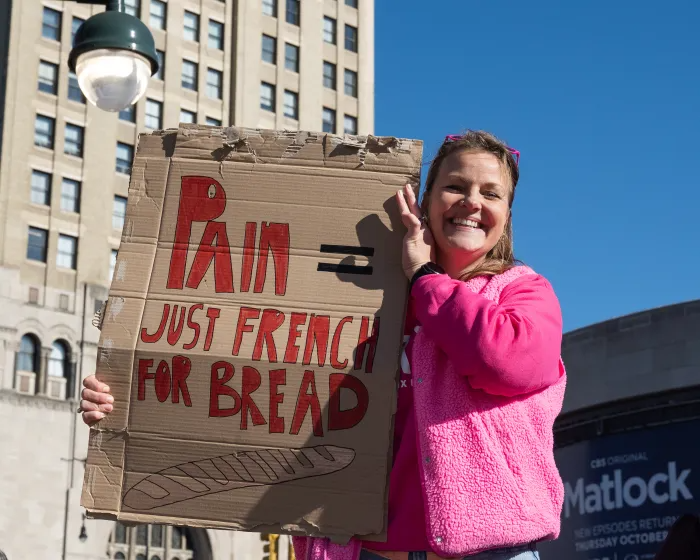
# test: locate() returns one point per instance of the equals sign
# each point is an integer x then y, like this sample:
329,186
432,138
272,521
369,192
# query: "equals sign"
346,268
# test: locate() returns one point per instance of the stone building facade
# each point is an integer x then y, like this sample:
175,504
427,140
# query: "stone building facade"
64,174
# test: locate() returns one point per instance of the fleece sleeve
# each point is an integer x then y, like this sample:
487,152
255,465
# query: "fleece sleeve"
508,348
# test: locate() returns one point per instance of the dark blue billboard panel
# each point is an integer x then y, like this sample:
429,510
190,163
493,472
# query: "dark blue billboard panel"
623,492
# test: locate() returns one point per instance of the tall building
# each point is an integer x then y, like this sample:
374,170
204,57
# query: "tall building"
64,174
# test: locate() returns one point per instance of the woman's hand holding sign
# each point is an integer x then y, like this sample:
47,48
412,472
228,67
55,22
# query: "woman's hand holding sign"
96,401
418,247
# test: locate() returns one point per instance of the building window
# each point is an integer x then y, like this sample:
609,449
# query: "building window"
154,114
211,121
75,25
187,116
351,3
44,128
191,30
351,38
329,30
51,24
269,7
59,363
132,7
291,57
189,75
74,91
293,12
118,212
329,75
350,124
73,140
59,370
70,195
216,35
36,244
161,65
128,114
112,263
28,355
351,83
267,97
159,12
215,80
150,542
269,49
48,77
291,105
125,156
40,188
67,251
328,120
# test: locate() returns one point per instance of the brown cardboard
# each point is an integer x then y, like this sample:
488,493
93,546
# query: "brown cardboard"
226,372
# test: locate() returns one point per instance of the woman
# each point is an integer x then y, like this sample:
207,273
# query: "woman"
473,473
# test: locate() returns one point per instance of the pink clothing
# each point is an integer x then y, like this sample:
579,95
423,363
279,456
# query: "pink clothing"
488,383
406,529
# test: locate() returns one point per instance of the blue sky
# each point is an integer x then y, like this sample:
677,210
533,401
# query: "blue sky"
603,100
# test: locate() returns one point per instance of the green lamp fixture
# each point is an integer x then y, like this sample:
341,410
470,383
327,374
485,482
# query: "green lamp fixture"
113,56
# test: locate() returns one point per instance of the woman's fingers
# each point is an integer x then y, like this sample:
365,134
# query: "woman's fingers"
93,384
412,202
410,220
97,397
91,417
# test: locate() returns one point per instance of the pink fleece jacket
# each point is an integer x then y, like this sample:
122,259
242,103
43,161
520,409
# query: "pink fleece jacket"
488,384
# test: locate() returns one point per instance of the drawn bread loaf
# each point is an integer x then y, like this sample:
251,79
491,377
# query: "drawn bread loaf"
258,467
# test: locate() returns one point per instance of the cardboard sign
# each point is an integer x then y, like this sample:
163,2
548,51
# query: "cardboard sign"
253,333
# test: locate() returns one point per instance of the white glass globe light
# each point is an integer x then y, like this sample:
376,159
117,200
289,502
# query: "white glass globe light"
112,79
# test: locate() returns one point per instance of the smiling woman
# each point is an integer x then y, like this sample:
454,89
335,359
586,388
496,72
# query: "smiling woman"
473,177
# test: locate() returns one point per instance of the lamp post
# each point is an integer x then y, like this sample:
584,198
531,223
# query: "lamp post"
113,56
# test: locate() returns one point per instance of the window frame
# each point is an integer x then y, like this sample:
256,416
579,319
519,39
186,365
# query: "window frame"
193,113
353,85
273,97
50,85
185,63
158,117
333,122
272,4
71,255
39,232
297,51
118,159
294,97
44,191
219,39
268,40
293,12
76,199
217,85
330,81
57,28
353,119
196,30
39,117
80,142
352,45
119,205
331,33
162,18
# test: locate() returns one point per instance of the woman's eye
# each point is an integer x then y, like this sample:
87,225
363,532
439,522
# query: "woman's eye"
492,195
453,188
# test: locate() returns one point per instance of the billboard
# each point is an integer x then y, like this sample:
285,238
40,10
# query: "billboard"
623,492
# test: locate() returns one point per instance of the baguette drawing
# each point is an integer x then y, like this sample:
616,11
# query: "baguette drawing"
257,467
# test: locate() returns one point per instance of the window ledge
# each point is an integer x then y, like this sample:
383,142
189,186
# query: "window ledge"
36,401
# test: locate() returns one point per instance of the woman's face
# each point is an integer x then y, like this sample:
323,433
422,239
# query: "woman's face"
468,207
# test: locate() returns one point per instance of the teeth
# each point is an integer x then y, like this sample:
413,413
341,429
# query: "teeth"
463,222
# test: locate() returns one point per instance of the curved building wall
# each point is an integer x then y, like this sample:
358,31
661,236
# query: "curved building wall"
625,443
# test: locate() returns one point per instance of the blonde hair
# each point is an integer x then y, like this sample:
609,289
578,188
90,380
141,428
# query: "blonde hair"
501,257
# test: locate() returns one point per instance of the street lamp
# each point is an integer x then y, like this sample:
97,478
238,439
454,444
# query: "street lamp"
113,55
